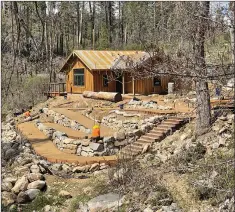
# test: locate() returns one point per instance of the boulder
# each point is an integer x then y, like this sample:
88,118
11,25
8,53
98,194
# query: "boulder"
121,143
76,142
56,167
58,134
20,185
6,186
119,136
65,194
35,176
108,139
80,169
26,161
148,210
87,149
69,151
10,153
96,146
94,167
221,142
84,153
32,193
11,180
66,168
8,198
22,197
35,169
38,184
137,133
106,202
85,142
47,208
71,146
21,170
68,141
79,150
215,145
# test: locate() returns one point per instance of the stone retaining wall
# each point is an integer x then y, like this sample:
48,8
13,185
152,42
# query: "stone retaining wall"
83,147
131,123
107,145
65,121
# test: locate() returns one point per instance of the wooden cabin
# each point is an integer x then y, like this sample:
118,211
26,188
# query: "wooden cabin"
89,70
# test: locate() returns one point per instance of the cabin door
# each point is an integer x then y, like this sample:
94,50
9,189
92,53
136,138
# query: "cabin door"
119,84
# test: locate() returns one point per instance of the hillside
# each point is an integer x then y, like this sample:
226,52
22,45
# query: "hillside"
180,173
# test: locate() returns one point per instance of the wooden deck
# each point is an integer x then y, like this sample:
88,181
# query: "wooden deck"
56,89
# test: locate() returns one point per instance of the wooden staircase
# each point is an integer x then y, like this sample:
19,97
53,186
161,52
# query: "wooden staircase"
158,133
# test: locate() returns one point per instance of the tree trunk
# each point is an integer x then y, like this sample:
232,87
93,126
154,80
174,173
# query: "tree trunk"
78,22
232,30
203,113
80,25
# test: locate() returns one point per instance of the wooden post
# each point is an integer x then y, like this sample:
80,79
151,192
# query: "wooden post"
133,86
123,83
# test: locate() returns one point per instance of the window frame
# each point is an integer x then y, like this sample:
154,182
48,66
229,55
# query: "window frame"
78,74
157,79
104,79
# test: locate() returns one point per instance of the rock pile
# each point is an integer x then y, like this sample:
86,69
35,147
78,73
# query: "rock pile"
22,176
146,105
131,121
65,121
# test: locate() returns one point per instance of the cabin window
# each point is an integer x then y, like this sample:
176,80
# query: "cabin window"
105,80
156,81
78,76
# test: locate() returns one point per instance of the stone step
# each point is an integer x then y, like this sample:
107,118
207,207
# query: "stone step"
146,137
159,130
154,138
171,122
167,126
163,128
142,141
156,132
125,156
131,150
155,135
129,153
175,119
133,147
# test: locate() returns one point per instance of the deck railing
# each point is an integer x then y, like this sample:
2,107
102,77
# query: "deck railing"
56,89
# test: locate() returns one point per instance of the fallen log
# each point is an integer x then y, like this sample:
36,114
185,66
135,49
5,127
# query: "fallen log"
113,97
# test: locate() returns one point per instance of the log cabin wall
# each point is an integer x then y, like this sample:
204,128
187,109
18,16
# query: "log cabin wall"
99,83
146,86
88,78
164,85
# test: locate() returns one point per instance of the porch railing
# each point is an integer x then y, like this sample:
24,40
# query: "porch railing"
56,89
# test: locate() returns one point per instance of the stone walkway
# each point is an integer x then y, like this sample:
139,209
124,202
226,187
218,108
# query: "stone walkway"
45,148
81,119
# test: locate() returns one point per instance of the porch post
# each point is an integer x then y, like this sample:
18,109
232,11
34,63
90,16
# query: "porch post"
133,86
123,83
